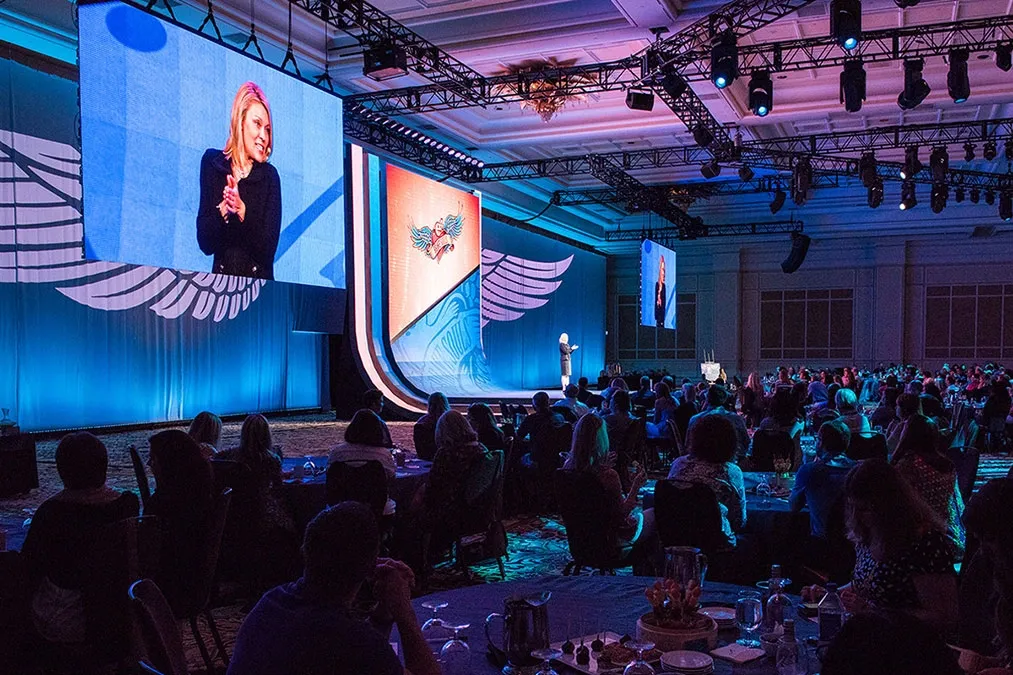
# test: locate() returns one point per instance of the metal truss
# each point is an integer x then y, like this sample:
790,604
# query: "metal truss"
672,234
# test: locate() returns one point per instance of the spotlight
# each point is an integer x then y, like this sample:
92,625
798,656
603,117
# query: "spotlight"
1006,206
940,193
876,194
958,194
969,152
673,84
385,61
907,196
724,60
957,83
904,4
912,165
778,201
867,169
1004,57
988,150
639,100
801,181
975,195
989,197
939,164
711,169
761,94
745,174
853,85
702,136
915,86
846,22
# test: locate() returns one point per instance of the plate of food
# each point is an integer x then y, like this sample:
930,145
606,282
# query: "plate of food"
601,653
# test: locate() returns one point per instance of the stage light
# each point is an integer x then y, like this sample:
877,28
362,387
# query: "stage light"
846,22
969,152
853,85
915,86
673,84
876,194
724,60
384,61
989,197
801,181
975,195
940,193
939,164
904,4
745,174
480,164
778,201
958,194
1004,57
912,165
1008,150
988,151
761,94
710,169
702,136
867,169
639,100
1006,206
908,200
957,83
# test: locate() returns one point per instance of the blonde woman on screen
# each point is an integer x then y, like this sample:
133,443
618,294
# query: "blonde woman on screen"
564,358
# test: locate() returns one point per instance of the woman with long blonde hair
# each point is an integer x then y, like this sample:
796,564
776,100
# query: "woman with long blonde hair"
239,216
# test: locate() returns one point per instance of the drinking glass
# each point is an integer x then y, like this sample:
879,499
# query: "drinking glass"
309,468
763,489
435,630
27,523
547,655
748,615
455,657
639,667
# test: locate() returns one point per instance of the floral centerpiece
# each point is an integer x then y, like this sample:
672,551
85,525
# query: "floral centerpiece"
674,622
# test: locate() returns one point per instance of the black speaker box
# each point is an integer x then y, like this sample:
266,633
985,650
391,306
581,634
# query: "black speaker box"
799,247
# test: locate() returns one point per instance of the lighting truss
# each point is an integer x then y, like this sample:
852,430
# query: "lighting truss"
672,234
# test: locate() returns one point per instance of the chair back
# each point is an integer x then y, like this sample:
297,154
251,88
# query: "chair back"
688,514
867,445
588,514
160,647
195,594
483,493
769,445
965,460
552,441
246,512
566,412
363,482
143,489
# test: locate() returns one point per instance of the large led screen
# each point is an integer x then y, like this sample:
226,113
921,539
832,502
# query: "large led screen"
657,285
197,157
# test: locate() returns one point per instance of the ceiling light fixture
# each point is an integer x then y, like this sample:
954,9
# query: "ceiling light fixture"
639,99
801,181
969,152
673,84
912,165
724,59
915,86
989,197
1008,150
384,61
904,4
908,200
988,151
958,194
745,174
761,94
876,193
939,164
957,83
940,193
975,195
867,169
710,169
1004,56
846,22
853,85
702,135
1006,206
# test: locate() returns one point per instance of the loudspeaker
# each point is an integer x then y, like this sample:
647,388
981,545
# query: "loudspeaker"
639,100
384,61
799,247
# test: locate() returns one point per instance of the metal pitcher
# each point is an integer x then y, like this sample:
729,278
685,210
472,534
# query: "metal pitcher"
683,563
525,628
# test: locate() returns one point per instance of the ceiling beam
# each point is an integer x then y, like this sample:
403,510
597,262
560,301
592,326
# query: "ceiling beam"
673,234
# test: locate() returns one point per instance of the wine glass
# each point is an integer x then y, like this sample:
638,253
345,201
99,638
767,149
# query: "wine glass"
547,655
309,468
748,615
455,657
435,630
639,667
30,513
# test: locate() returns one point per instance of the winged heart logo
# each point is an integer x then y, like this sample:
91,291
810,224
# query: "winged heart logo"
438,240
41,242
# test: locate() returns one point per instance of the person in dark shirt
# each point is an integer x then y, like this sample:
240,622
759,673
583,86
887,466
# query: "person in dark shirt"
311,626
541,420
484,423
424,432
820,484
687,408
583,393
643,397
239,216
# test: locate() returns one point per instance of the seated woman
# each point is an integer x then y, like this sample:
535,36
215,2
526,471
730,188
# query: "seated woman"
457,449
484,423
752,398
256,452
908,405
932,475
711,446
847,405
63,529
183,502
206,429
664,404
590,453
904,560
424,432
365,441
782,415
886,412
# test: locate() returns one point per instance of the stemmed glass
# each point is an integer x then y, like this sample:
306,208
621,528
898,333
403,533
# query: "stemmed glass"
435,630
547,655
748,615
309,468
639,667
455,657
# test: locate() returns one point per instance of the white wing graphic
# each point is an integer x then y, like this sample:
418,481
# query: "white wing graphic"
42,242
511,285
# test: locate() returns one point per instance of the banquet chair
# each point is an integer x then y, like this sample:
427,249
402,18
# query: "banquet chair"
159,647
480,533
866,445
143,489
997,439
239,555
587,513
688,514
769,445
363,482
965,460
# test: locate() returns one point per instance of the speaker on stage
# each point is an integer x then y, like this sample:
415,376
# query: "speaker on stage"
799,247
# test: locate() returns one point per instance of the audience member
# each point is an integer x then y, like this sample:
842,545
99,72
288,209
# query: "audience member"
372,400
365,441
644,397
664,404
457,448
711,448
257,452
820,484
484,423
206,429
687,408
908,405
312,626
752,397
716,396
885,413
619,420
571,403
541,420
847,405
424,432
584,394
888,643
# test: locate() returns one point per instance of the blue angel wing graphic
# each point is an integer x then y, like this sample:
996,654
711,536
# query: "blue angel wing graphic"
422,237
46,245
454,225
511,286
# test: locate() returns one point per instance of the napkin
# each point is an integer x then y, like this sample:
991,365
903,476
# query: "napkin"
736,653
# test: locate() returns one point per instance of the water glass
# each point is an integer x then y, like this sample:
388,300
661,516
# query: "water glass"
547,655
455,657
639,667
435,630
749,616
309,468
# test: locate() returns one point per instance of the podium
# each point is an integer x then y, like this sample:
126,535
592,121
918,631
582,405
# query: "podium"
19,472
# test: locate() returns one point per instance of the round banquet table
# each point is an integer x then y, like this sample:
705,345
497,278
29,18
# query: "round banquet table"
306,497
617,602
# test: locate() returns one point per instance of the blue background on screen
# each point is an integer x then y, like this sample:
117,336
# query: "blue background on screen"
651,254
154,97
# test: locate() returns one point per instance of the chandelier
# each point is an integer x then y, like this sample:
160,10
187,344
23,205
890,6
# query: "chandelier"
543,89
